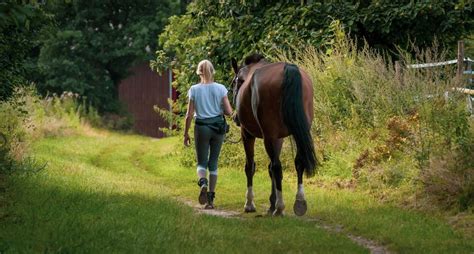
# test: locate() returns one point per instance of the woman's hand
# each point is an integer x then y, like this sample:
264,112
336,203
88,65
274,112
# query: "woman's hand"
187,140
227,106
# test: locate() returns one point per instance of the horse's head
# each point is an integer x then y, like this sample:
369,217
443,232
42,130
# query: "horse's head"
240,74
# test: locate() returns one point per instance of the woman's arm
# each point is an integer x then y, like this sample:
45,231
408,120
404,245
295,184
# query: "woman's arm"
227,106
189,118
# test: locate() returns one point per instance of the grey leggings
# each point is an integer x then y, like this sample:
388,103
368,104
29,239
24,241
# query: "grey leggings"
208,146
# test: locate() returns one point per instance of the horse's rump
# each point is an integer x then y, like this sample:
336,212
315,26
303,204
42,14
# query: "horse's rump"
266,98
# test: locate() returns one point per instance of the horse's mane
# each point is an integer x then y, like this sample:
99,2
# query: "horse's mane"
254,58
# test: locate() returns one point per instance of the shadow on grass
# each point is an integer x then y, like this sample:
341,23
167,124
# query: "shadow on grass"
46,216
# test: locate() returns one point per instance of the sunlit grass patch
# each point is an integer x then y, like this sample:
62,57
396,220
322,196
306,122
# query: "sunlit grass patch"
80,206
129,199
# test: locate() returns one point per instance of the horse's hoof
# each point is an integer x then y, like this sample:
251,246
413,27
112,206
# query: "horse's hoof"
278,213
300,207
250,209
270,211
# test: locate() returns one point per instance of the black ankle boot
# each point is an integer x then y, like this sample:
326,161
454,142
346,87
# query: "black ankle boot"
203,191
210,200
202,181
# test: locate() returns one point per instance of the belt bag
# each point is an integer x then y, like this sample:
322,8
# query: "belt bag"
217,124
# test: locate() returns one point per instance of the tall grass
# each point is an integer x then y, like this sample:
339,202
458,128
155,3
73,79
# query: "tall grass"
391,134
27,117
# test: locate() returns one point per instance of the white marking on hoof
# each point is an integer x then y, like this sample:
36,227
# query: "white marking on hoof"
250,208
279,204
300,206
270,211
278,212
249,204
300,192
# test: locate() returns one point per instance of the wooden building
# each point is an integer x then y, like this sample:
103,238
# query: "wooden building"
142,90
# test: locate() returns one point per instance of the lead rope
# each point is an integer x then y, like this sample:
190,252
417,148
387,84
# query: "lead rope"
231,141
235,113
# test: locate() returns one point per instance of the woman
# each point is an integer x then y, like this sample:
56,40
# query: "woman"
208,103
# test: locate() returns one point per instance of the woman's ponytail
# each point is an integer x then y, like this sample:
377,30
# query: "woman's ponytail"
206,70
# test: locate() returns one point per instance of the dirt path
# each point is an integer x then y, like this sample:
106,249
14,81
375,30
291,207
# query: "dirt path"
372,246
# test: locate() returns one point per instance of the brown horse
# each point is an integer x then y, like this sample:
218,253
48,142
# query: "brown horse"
273,101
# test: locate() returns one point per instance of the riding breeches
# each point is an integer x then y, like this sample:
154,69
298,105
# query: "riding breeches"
208,145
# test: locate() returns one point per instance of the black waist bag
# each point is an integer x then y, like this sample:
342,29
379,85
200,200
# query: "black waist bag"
217,124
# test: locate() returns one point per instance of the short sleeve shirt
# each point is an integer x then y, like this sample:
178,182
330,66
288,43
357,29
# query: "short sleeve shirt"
207,99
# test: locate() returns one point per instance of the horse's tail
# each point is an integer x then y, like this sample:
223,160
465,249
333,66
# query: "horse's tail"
295,119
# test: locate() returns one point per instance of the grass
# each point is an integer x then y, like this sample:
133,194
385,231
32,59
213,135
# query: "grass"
117,193
114,194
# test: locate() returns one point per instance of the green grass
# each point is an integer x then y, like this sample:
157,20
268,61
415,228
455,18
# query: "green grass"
117,193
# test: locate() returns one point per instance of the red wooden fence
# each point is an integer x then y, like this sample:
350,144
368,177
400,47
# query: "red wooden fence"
142,90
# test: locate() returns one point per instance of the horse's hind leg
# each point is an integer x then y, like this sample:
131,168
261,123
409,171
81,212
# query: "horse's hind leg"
249,144
300,205
273,148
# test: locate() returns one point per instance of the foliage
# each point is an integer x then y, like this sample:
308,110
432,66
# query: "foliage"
17,123
469,46
171,117
21,26
385,24
220,30
94,43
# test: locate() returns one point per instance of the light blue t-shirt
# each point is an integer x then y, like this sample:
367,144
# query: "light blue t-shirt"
207,99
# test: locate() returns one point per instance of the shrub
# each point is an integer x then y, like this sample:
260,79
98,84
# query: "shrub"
388,131
16,124
26,117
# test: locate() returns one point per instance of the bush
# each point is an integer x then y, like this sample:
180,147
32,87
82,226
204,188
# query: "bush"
17,125
27,117
388,132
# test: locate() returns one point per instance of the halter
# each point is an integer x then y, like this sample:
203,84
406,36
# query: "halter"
235,95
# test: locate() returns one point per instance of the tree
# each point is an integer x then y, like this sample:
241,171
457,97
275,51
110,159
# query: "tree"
220,30
20,29
96,42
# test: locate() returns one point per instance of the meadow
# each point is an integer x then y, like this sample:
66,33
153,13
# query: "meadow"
109,192
396,168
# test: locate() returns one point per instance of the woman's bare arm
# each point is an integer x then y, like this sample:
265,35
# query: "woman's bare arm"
188,119
227,106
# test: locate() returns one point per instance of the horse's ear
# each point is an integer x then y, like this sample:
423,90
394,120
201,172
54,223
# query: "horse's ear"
234,65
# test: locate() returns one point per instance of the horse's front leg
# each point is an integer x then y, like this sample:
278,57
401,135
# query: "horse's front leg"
272,198
300,205
273,149
249,144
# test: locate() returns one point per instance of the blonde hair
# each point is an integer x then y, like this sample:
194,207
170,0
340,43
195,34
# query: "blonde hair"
206,70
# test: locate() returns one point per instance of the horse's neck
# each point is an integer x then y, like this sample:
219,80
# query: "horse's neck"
262,63
258,65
